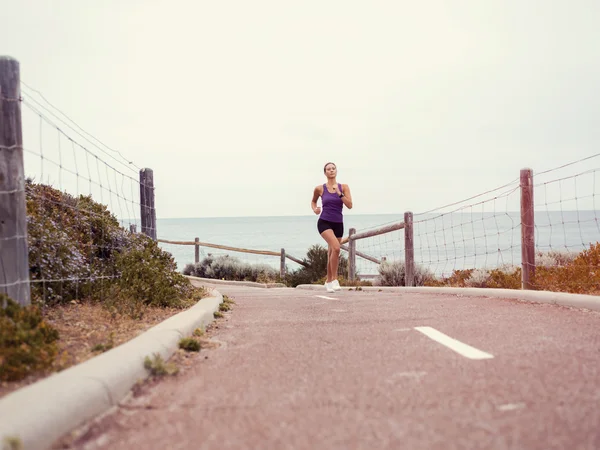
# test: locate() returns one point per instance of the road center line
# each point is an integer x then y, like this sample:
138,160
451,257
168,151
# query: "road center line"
323,296
465,350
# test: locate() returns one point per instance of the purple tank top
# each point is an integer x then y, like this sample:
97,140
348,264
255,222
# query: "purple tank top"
332,205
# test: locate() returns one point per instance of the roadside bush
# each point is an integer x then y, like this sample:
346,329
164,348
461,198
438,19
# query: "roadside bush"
230,268
580,276
81,252
458,278
554,258
555,271
27,342
507,277
394,274
72,242
316,261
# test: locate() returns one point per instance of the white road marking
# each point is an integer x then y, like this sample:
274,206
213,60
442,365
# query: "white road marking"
323,296
511,406
403,329
465,350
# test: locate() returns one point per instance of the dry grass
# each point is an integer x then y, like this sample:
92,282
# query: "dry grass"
85,330
556,272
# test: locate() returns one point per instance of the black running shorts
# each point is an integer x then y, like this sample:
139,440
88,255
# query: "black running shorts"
337,227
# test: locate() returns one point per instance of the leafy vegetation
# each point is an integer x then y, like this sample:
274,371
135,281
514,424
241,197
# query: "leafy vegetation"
27,342
554,271
157,367
78,252
225,267
394,274
189,344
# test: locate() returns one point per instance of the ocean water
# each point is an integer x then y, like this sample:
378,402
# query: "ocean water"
442,242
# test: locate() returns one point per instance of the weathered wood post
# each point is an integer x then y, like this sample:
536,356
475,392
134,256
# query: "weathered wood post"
527,230
132,228
197,250
14,254
409,250
282,264
351,254
148,212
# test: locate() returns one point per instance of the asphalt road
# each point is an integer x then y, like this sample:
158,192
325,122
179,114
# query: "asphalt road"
300,369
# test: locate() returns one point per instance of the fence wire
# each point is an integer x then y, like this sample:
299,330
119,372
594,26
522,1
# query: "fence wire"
81,201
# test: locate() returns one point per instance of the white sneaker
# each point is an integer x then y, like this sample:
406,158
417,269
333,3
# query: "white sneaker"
335,284
329,287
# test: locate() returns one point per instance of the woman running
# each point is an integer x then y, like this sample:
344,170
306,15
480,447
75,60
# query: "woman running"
331,222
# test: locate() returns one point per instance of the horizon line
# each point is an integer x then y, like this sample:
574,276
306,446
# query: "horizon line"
371,214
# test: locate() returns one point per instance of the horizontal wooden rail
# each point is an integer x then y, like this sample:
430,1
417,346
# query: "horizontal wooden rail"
375,232
222,247
233,249
362,255
296,260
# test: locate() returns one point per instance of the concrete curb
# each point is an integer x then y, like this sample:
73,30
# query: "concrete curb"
40,413
556,298
237,283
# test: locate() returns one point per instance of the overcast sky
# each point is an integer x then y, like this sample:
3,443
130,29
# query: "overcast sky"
237,105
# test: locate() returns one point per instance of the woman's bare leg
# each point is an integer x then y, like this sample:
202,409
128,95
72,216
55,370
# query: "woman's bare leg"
333,254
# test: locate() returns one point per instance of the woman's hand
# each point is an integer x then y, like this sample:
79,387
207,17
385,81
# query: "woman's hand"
317,210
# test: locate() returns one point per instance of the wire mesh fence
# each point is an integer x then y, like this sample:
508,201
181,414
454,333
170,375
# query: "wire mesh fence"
482,241
81,200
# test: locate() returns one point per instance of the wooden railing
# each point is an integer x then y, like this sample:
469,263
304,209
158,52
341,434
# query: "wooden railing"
350,248
409,251
197,244
349,242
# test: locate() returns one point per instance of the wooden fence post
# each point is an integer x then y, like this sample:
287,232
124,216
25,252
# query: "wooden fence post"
196,250
282,264
351,255
409,250
14,254
132,228
527,230
148,213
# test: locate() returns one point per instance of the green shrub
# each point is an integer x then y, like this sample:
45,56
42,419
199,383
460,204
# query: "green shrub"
230,268
27,343
71,243
157,367
316,267
224,307
393,274
81,252
189,344
149,275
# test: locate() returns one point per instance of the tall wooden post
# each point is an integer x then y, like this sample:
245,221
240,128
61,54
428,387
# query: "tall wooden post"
351,255
527,230
14,254
148,212
282,264
409,250
196,250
